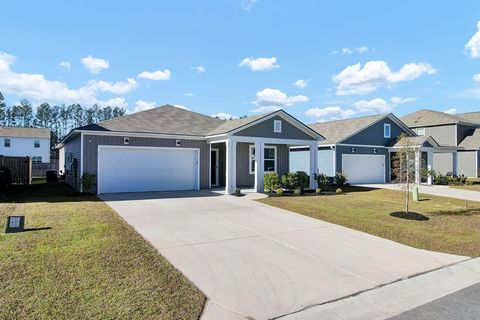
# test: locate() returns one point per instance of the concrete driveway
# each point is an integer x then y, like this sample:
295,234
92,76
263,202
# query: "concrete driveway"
255,261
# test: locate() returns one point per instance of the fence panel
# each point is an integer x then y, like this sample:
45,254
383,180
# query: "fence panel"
20,167
38,169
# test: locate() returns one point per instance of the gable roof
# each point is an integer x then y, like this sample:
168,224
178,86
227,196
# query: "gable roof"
415,141
339,130
470,116
472,141
231,125
162,120
425,118
21,132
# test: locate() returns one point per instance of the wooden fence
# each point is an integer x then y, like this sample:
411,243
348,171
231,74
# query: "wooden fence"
38,169
20,168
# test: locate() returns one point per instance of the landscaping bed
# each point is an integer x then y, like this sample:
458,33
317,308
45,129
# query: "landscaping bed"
453,226
80,260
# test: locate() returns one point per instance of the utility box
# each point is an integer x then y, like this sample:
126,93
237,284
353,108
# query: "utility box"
15,224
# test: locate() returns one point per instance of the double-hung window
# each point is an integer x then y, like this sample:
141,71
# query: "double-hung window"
387,130
6,143
269,159
37,159
36,143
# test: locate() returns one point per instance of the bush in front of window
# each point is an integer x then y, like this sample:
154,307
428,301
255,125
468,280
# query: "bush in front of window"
271,182
87,182
322,180
302,179
340,179
289,181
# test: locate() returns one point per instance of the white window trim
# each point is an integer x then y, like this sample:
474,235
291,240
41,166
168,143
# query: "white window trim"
252,170
385,126
277,124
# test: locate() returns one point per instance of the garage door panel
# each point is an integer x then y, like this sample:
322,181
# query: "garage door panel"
137,169
366,168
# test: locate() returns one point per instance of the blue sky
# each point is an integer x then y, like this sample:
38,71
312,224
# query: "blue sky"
242,57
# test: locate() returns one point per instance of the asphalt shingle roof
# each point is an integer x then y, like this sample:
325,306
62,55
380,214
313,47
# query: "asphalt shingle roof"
470,116
412,141
425,118
22,132
336,131
230,125
471,142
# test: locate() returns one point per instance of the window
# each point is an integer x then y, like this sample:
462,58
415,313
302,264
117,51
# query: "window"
269,159
36,143
277,126
386,130
37,159
6,143
420,131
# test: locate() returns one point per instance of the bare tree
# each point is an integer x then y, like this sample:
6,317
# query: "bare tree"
403,166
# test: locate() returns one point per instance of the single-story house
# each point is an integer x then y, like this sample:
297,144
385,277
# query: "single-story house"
458,132
362,148
169,148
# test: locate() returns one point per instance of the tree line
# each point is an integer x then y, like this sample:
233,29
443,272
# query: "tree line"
59,119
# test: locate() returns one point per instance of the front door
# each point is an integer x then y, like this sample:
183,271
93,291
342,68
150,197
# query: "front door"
214,155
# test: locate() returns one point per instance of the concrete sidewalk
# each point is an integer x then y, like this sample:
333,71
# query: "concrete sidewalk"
396,298
442,191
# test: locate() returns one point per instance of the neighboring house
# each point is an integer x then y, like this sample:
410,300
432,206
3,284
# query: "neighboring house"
359,147
169,148
26,142
459,135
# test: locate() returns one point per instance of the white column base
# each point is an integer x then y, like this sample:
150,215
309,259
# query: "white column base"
313,165
259,166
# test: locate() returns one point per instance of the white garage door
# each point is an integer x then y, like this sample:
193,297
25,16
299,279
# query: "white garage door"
139,169
366,168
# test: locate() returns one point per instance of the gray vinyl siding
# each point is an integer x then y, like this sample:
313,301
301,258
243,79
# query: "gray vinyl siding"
72,155
443,163
91,143
374,135
463,131
265,130
244,178
467,163
444,135
341,150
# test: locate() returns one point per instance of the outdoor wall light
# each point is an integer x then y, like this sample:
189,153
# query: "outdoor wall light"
375,151
126,140
354,150
178,143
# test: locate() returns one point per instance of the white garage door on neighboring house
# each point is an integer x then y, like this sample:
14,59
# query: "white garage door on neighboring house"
364,168
140,169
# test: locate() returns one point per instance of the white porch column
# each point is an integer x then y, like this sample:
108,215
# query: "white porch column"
313,165
430,166
418,160
231,166
455,163
259,166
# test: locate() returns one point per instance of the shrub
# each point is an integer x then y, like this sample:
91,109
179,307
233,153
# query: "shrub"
340,179
289,181
238,191
271,182
469,183
87,182
339,191
322,180
297,192
440,179
279,192
302,180
318,191
424,173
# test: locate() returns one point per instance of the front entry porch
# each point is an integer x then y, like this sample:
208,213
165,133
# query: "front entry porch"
242,162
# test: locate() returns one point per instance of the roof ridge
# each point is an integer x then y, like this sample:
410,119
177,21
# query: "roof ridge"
353,118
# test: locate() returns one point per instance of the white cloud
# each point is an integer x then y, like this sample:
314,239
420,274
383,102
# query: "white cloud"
199,69
476,77
95,65
269,100
330,113
473,45
379,105
260,64
155,75
346,50
301,83
356,79
36,87
113,87
181,107
223,116
361,49
246,5
451,111
65,64
141,105
188,94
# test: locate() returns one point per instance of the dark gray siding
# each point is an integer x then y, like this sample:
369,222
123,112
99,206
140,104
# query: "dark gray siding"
444,135
467,163
244,178
72,161
373,135
340,150
463,131
265,129
443,162
91,143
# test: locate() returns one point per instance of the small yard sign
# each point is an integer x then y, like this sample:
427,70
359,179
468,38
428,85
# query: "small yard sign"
15,224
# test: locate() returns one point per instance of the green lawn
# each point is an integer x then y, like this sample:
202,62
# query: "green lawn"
81,261
474,187
453,225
